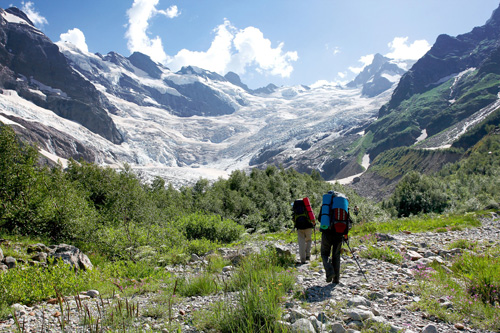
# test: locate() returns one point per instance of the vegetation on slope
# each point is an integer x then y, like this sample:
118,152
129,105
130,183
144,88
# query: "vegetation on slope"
130,228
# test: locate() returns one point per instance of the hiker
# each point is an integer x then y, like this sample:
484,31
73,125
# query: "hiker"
331,243
304,222
356,210
334,225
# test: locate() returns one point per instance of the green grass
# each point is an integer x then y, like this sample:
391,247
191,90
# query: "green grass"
418,224
263,281
384,253
473,290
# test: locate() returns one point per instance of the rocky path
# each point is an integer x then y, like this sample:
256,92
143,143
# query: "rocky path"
345,307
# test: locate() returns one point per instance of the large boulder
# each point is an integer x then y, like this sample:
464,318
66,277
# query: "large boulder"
11,262
71,255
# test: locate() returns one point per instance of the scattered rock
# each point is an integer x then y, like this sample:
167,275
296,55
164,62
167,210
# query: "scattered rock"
71,255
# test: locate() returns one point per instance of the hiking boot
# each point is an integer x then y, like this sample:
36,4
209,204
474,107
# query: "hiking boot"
336,279
329,278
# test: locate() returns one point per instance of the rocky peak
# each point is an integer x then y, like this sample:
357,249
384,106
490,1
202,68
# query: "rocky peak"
193,70
235,79
144,62
18,14
377,77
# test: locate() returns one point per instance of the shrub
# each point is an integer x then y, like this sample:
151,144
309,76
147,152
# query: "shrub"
213,228
417,194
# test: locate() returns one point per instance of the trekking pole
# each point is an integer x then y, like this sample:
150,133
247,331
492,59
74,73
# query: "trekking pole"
345,241
315,249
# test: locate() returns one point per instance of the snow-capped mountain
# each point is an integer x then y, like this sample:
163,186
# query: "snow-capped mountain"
183,125
380,75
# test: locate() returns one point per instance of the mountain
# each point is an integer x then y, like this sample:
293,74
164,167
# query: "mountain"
449,98
110,109
456,79
32,65
379,76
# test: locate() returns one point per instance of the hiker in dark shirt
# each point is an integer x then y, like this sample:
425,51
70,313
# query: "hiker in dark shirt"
331,243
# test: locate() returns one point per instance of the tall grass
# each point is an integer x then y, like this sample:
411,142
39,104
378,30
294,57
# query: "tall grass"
470,293
262,281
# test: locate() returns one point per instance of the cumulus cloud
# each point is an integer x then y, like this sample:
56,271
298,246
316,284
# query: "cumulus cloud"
365,60
237,50
76,37
401,50
215,58
29,9
231,49
138,23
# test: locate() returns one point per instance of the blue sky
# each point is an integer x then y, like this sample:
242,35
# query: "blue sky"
285,42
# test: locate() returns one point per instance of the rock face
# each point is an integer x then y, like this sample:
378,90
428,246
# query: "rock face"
33,66
449,55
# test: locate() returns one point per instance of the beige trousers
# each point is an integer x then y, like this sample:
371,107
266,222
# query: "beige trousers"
305,240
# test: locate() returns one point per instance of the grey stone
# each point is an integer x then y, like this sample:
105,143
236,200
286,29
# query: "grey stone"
11,262
71,255
430,329
39,247
195,257
227,268
296,314
358,314
93,293
40,257
338,328
303,326
318,326
358,300
3,268
1,254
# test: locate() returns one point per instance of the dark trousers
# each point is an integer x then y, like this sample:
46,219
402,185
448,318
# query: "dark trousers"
331,243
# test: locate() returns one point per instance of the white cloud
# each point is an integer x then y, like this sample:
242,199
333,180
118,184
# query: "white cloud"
365,60
401,50
138,23
216,58
76,37
237,50
252,49
231,49
29,9
341,75
171,12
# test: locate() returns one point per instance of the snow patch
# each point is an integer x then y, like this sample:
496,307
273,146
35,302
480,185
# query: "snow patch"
14,18
422,136
392,78
54,158
365,163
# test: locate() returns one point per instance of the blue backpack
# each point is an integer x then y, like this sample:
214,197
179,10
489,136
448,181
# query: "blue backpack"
334,213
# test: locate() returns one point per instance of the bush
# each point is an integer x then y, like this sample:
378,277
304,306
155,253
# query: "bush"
417,194
213,228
